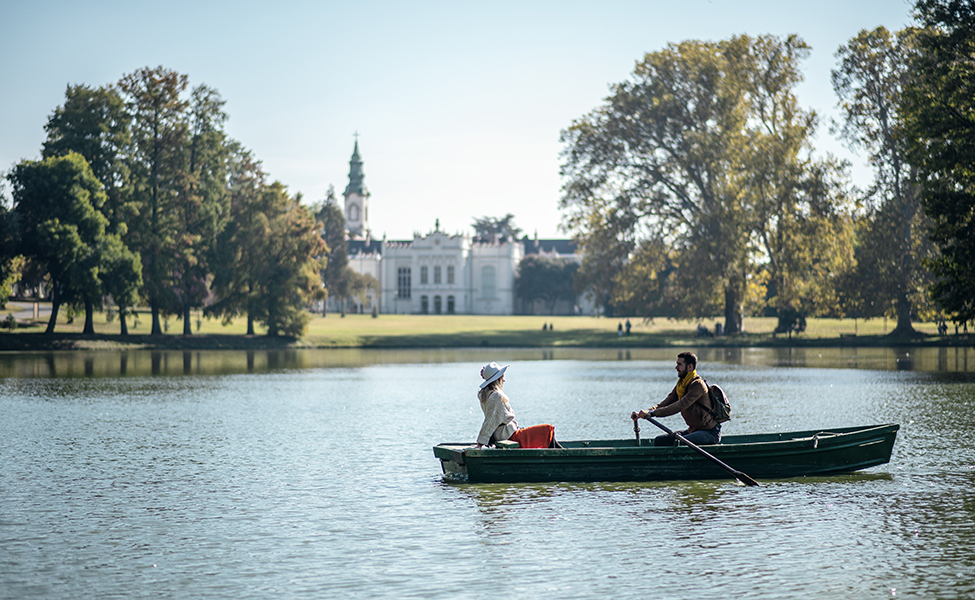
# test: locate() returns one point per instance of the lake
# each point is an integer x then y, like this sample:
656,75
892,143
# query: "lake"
310,474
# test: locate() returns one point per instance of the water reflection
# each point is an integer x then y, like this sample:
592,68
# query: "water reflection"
286,478
136,363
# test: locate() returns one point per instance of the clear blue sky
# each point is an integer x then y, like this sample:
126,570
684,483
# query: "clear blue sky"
458,105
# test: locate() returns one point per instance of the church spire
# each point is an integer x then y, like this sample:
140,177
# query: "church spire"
356,198
356,176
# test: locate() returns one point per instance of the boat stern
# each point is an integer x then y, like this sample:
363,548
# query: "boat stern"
452,460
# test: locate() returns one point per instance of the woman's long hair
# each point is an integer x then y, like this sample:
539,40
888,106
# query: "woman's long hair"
484,392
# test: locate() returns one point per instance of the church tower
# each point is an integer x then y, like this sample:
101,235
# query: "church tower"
356,198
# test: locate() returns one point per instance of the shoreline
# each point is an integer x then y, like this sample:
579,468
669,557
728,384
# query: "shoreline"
76,342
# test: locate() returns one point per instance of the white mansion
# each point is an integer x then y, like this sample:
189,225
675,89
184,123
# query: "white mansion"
439,273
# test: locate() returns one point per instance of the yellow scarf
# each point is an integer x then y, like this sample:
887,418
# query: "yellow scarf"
685,381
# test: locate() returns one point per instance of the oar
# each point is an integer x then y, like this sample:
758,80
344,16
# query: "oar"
738,474
636,430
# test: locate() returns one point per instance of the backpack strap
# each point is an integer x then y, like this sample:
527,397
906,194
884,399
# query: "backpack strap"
709,409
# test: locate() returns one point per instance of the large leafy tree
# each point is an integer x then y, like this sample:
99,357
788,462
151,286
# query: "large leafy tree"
57,201
157,162
705,152
794,202
235,283
289,263
653,162
94,122
874,68
203,201
270,254
939,110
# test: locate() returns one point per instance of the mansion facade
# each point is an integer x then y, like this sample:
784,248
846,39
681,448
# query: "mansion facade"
439,273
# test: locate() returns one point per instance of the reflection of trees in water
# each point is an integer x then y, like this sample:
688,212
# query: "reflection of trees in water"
106,363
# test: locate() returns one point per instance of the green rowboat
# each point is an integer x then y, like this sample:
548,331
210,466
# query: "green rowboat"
765,455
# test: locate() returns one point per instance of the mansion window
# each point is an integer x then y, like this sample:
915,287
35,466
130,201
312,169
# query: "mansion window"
450,304
450,274
436,274
487,282
437,305
403,284
424,305
423,275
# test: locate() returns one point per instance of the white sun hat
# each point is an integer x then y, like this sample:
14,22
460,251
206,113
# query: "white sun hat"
492,371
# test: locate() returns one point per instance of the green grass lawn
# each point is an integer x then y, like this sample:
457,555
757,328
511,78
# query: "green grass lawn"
355,330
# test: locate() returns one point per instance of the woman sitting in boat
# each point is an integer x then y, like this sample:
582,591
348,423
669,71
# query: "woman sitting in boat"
499,419
689,398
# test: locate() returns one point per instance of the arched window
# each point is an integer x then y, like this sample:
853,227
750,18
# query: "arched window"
487,282
424,305
353,212
437,305
451,308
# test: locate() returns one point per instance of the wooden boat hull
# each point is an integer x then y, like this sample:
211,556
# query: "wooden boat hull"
789,454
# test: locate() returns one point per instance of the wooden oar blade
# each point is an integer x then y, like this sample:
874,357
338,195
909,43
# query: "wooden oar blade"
742,477
735,472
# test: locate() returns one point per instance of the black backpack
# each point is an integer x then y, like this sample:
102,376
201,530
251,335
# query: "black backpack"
720,407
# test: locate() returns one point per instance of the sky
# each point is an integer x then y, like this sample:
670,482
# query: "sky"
458,106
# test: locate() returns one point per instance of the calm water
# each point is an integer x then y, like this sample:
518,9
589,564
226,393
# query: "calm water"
310,475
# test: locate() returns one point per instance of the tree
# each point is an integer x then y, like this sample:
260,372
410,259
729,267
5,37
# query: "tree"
794,203
121,276
359,284
289,264
493,227
157,161
94,123
57,201
939,110
203,201
653,161
875,67
648,284
704,150
546,279
10,262
237,251
334,275
607,247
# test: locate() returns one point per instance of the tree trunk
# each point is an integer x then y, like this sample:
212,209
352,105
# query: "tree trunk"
732,310
124,326
89,317
55,307
156,327
904,326
250,324
187,326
